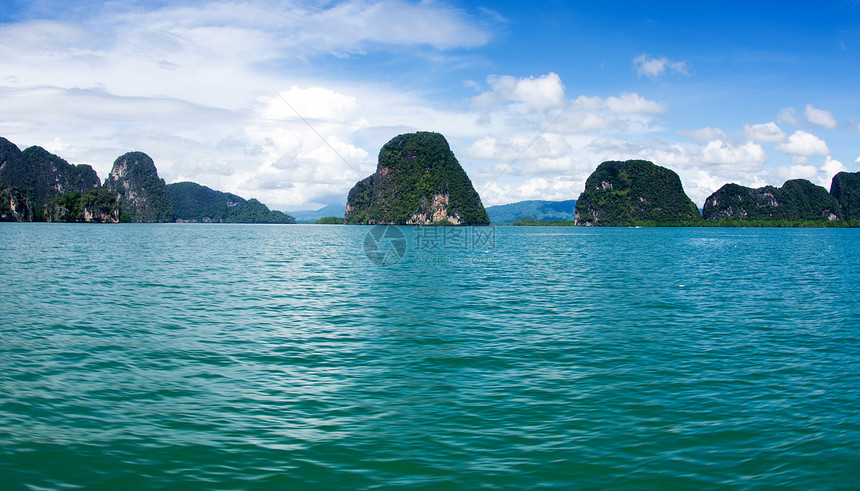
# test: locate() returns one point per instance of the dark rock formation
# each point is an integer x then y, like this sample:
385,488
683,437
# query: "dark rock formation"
418,181
192,202
141,194
797,199
42,176
845,188
623,193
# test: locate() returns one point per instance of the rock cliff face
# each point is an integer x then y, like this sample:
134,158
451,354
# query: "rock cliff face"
797,199
14,206
141,194
845,188
418,181
42,176
621,193
195,203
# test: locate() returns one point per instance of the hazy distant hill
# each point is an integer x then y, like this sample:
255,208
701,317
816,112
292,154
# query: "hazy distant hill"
540,210
193,202
314,215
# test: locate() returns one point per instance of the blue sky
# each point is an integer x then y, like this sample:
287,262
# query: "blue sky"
289,101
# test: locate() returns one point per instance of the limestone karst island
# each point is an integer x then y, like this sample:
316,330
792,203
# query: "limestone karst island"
418,181
36,185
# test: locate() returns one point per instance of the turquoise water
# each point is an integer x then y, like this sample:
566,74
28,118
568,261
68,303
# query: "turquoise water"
281,357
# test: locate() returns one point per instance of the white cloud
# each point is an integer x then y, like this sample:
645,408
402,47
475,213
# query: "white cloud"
535,188
720,152
311,103
540,93
654,68
537,93
537,103
201,88
706,133
820,117
830,168
765,132
630,103
795,171
548,147
803,143
787,115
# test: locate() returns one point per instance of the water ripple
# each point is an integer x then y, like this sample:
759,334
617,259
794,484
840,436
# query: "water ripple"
153,356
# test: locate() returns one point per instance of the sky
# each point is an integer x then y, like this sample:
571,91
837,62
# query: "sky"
290,101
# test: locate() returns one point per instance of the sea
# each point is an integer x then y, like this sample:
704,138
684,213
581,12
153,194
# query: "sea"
203,356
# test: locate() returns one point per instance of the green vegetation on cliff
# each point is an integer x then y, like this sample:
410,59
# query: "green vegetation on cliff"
796,200
193,202
141,194
845,188
623,193
94,206
42,176
252,211
418,180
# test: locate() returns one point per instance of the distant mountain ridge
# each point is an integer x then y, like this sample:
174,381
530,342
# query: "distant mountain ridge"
540,210
314,215
193,202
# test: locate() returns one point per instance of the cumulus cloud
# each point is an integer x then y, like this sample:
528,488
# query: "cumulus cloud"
537,103
830,168
655,68
630,103
542,188
820,117
795,171
538,93
547,146
803,143
720,152
706,133
765,132
787,115
201,87
310,103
